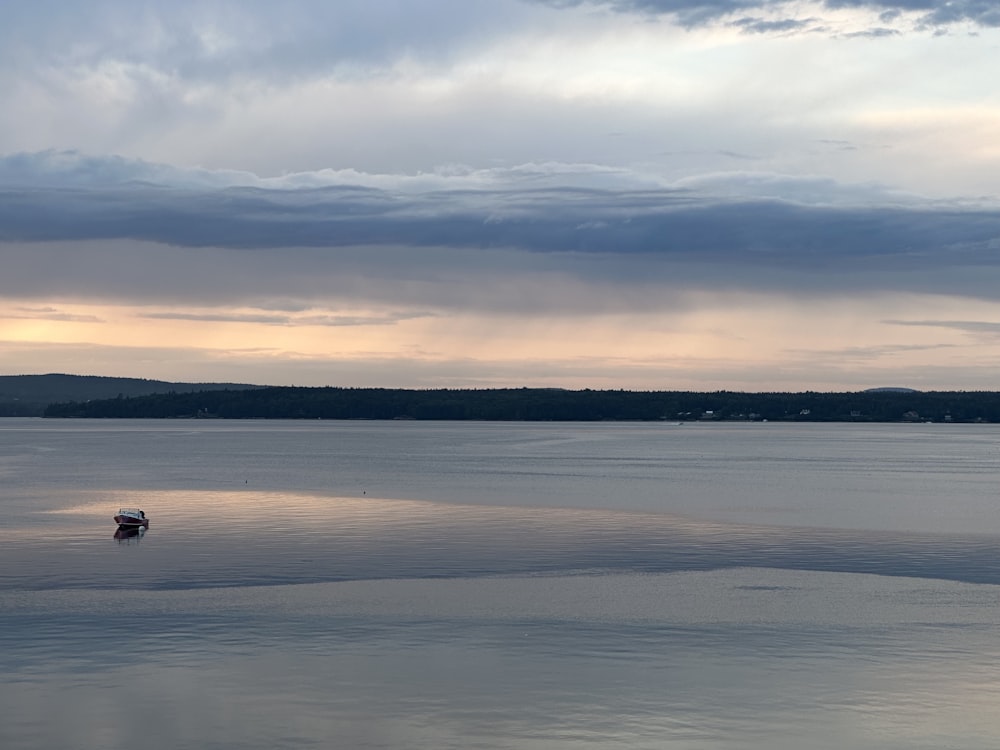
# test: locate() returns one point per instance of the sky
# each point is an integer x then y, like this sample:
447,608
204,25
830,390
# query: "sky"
746,195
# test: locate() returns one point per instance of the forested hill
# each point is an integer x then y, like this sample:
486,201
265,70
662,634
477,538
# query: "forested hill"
547,404
29,395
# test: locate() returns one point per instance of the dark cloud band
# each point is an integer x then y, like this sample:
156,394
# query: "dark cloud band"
117,231
671,223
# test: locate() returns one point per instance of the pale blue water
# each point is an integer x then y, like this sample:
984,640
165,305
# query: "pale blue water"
422,585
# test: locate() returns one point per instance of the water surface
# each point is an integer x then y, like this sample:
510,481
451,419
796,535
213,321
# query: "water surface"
414,585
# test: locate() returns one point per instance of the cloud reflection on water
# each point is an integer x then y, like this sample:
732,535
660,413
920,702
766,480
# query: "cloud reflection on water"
724,659
209,539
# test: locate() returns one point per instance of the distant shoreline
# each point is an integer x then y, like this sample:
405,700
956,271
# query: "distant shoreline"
544,405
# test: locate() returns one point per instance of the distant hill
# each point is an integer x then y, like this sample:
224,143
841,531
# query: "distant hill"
29,395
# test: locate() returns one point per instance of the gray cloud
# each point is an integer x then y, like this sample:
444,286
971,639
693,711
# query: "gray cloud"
838,144
271,320
49,313
523,239
325,320
933,12
212,40
985,328
862,355
875,33
753,25
687,12
765,218
691,13
737,155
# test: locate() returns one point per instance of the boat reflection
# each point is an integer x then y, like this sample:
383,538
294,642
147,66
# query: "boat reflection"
129,535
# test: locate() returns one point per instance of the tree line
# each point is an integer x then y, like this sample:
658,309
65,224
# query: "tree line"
544,404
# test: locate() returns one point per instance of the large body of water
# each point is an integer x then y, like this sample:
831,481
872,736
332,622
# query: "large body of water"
453,585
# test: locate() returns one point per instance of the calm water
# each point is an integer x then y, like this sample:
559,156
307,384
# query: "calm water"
415,585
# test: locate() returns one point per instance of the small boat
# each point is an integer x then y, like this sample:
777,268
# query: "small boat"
131,518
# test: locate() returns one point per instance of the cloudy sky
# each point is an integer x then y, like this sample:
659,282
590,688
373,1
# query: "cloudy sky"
644,194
